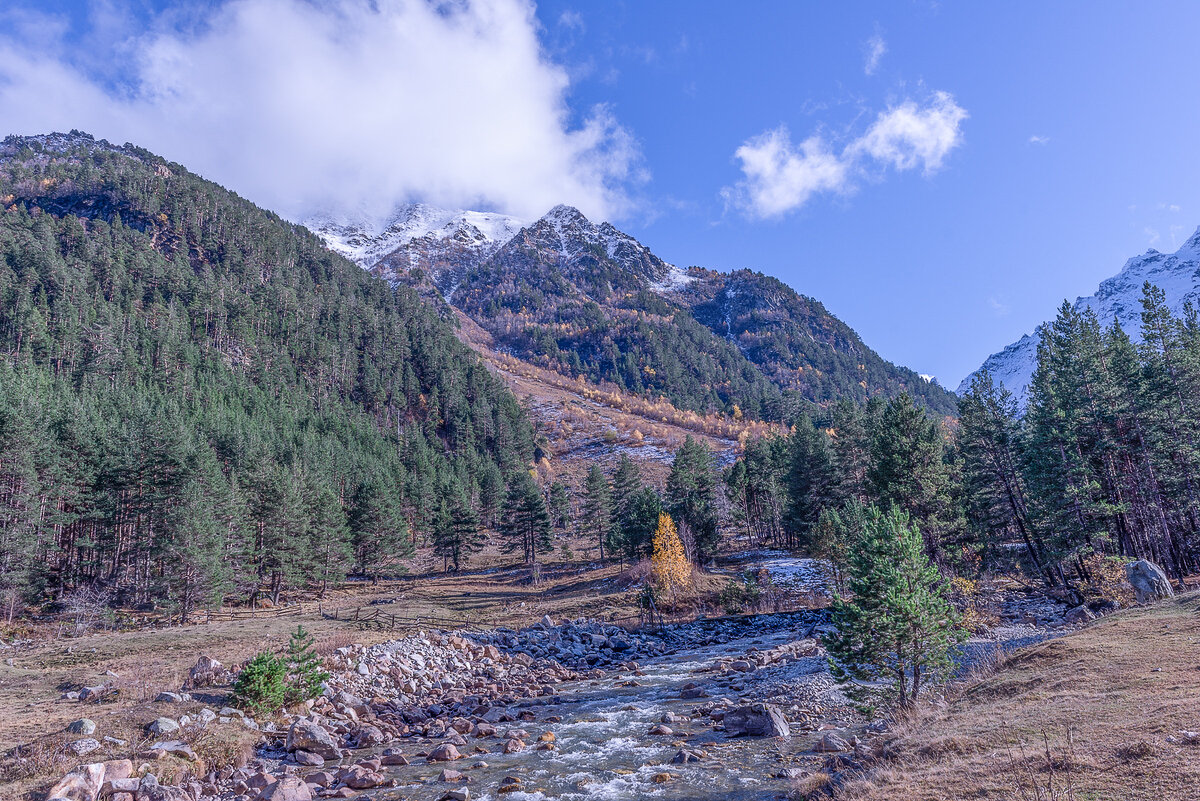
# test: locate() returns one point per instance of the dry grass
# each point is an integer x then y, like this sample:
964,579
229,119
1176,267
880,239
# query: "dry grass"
1082,717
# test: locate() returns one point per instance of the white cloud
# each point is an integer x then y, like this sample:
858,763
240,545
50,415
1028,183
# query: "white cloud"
998,307
875,48
779,177
1152,235
343,104
1038,140
908,136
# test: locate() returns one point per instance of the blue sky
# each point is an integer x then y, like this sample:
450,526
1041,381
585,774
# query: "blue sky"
1067,138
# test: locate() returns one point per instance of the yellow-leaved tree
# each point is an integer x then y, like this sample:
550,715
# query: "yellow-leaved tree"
672,570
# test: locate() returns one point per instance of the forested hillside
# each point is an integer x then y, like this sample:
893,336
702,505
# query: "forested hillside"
798,344
1104,463
198,399
590,301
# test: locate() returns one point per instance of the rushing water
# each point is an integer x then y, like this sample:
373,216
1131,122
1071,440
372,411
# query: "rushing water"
605,751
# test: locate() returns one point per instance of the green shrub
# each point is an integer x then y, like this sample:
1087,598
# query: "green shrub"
262,685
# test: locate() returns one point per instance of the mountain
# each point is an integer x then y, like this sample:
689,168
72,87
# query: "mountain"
589,300
1118,298
198,398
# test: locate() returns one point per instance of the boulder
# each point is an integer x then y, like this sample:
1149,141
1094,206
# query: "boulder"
207,672
83,726
83,746
831,743
308,758
365,736
443,753
163,726
169,698
756,720
287,788
392,757
359,777
1149,581
1080,614
307,735
457,794
685,756
81,784
513,746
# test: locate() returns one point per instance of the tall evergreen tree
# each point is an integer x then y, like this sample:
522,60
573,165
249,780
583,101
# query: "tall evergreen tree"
596,514
691,496
525,526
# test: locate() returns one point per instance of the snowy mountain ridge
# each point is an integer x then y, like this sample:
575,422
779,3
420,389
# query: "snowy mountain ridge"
1118,298
366,240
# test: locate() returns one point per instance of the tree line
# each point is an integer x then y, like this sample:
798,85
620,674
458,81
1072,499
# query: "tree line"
1101,462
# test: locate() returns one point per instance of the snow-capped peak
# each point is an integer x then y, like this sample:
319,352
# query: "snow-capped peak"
1118,298
367,239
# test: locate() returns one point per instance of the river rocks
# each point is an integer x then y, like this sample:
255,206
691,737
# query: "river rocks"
448,775
82,726
162,726
444,753
287,788
391,756
831,743
509,784
576,644
308,735
692,690
457,794
365,736
308,758
756,720
1149,581
660,730
686,756
513,746
359,777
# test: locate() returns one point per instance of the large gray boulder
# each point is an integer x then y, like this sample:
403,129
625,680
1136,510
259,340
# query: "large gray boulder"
307,735
1149,581
756,720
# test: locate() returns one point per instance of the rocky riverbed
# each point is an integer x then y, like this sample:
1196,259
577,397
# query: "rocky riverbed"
730,708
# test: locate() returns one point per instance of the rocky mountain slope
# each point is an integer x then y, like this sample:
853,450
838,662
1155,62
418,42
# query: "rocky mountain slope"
590,301
1118,298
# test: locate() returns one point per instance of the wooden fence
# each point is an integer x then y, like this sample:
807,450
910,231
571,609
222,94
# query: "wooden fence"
216,615
374,617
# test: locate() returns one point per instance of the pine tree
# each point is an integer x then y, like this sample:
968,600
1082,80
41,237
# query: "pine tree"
595,517
525,522
304,673
908,470
456,529
897,625
809,480
559,504
691,496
